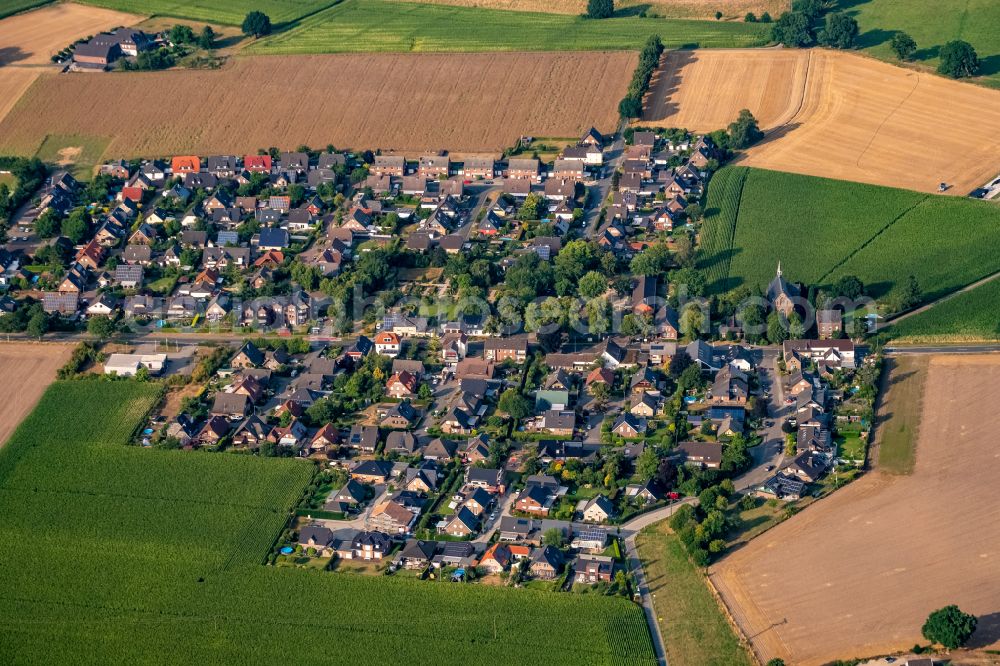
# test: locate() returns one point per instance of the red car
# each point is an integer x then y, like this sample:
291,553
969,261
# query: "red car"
673,496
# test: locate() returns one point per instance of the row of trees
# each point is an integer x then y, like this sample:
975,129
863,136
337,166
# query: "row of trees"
649,58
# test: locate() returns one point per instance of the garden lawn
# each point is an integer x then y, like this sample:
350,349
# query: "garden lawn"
932,24
76,152
120,554
382,26
228,12
694,627
821,229
969,316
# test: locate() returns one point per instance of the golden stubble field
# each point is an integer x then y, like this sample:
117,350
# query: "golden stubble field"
27,370
410,102
838,115
29,40
857,573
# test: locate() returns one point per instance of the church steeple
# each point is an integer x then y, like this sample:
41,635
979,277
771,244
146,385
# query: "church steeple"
779,268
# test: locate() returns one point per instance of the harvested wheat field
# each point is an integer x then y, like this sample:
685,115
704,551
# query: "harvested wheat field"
703,9
27,369
703,90
841,115
28,41
408,102
856,574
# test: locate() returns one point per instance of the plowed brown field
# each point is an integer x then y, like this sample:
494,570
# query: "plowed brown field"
857,573
27,370
28,41
839,115
410,102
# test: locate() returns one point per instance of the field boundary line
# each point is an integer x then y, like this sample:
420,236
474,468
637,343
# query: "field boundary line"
745,642
872,239
802,98
151,498
947,297
736,221
888,116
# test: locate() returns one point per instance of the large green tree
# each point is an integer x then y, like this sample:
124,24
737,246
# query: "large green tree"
792,29
600,9
257,24
949,626
903,46
958,60
514,404
840,31
744,131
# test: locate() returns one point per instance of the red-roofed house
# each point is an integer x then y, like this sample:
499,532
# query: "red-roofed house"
387,344
402,385
257,163
182,164
130,193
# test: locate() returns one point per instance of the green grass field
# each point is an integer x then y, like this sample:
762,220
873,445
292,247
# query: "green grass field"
119,554
694,628
821,229
380,26
969,316
897,435
932,24
76,152
227,12
10,7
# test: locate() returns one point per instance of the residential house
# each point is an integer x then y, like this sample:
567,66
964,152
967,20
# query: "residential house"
463,523
514,348
387,344
598,509
593,568
546,562
705,454
402,385
392,518
363,438
490,480
372,471
628,425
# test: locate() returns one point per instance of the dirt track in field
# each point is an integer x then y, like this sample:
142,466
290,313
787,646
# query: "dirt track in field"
857,573
409,102
29,40
838,115
27,370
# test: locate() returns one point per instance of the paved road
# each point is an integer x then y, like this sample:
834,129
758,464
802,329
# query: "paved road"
613,159
659,647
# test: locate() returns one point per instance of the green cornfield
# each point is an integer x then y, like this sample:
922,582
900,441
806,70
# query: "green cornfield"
226,12
821,229
118,554
971,315
354,26
9,7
